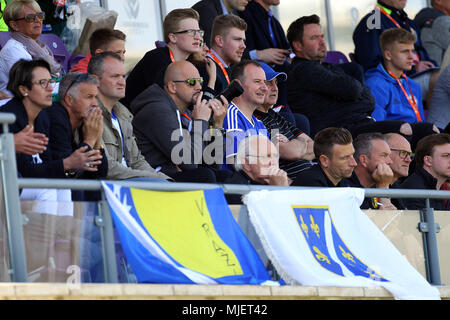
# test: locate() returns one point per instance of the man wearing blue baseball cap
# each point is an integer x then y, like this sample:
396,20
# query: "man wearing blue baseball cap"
295,146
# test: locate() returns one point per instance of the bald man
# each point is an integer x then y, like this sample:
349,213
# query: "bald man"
171,136
401,159
256,162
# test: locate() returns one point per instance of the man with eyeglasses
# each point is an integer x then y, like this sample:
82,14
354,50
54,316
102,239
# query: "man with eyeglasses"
401,157
182,37
125,160
169,134
432,171
256,162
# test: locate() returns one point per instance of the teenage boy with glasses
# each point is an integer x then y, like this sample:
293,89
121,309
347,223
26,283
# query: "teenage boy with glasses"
171,136
182,36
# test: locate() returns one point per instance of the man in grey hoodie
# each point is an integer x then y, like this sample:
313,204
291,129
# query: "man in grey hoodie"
173,137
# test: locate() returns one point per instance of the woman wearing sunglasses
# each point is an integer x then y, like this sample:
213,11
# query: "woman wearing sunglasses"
25,19
32,86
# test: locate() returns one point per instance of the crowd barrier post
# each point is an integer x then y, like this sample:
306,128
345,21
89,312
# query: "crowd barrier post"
11,202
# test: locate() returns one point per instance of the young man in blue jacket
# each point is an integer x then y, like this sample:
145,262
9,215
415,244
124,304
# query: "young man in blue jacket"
397,97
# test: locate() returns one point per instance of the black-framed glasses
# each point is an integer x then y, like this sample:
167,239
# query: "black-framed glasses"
45,82
191,81
80,78
403,153
32,16
191,32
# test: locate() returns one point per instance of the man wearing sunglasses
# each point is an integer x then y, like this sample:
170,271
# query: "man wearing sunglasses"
182,37
169,134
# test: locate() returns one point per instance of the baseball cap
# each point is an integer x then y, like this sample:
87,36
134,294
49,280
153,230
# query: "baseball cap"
272,74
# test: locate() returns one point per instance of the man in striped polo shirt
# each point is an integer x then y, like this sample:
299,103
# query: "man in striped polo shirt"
295,147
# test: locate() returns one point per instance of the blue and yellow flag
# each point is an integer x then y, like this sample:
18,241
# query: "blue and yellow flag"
182,237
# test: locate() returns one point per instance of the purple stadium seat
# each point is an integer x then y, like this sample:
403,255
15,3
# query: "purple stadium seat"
58,48
160,44
335,57
4,37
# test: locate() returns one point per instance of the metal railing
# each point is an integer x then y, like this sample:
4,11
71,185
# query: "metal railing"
11,205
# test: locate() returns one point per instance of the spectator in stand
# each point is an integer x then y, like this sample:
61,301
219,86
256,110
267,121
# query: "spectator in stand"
439,110
240,121
367,47
401,156
333,149
227,47
32,86
159,113
24,18
207,70
209,9
125,160
372,154
434,24
256,162
432,170
101,40
182,37
266,40
295,147
398,97
76,121
324,92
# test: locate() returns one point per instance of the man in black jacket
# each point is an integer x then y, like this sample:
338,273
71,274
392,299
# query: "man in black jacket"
76,121
209,9
334,151
326,93
432,170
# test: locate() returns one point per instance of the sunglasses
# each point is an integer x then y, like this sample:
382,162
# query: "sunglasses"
45,82
81,78
32,17
191,32
191,81
403,153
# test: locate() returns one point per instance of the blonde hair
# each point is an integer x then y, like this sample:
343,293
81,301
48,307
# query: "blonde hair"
14,9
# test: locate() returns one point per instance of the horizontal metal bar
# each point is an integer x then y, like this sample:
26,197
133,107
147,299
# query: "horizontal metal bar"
6,118
93,185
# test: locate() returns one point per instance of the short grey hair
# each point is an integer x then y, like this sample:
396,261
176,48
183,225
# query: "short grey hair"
97,62
363,143
69,84
246,145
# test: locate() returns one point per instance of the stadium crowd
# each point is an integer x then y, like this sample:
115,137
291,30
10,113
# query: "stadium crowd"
230,97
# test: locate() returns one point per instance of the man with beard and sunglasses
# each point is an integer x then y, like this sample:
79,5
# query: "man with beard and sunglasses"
169,134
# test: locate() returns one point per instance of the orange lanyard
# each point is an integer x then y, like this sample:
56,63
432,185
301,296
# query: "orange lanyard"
185,115
411,102
225,73
172,58
388,16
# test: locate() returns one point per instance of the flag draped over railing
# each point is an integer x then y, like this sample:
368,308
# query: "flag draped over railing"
183,237
321,238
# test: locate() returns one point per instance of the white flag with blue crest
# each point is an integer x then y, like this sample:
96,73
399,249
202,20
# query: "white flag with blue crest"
320,237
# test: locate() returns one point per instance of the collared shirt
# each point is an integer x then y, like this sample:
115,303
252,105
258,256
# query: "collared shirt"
224,9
